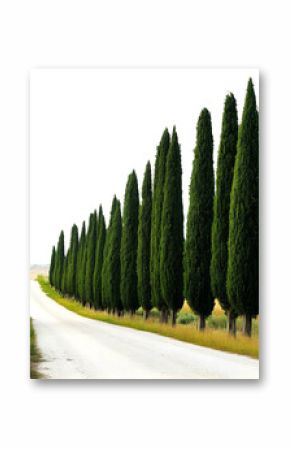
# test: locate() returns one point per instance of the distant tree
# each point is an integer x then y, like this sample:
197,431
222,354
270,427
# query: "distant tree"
59,261
220,229
51,266
144,235
171,245
72,262
243,262
114,261
157,204
106,303
129,244
64,279
199,223
83,291
81,249
90,258
97,277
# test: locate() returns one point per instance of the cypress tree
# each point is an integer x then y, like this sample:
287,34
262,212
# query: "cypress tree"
157,204
114,263
144,235
51,267
63,275
243,262
220,228
81,248
129,242
171,245
59,261
72,262
106,304
97,279
90,259
105,288
84,262
64,279
199,223
83,274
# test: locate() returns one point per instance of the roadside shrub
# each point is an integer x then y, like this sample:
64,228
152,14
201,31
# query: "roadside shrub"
186,318
217,322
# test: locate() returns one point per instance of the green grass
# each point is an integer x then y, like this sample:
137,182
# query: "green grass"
215,338
35,356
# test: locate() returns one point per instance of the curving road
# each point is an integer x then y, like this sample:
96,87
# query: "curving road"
74,347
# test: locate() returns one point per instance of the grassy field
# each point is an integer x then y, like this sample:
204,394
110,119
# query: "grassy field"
35,356
214,336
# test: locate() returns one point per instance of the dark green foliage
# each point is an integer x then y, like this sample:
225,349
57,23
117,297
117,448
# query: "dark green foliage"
51,266
97,279
72,262
199,222
171,245
90,258
105,287
83,275
84,262
81,249
114,262
64,279
157,204
144,236
243,263
129,244
224,180
105,270
59,261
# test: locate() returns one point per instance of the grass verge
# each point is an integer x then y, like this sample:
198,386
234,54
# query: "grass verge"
212,338
35,356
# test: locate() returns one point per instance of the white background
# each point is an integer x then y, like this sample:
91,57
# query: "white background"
129,33
90,128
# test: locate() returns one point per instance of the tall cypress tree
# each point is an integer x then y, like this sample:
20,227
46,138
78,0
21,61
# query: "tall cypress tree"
97,279
64,279
81,248
63,275
114,262
144,235
199,223
106,303
51,266
72,262
157,204
220,228
243,263
171,246
129,242
59,261
84,262
90,259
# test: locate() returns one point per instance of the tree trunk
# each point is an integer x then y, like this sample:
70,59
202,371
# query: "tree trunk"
173,318
164,316
131,313
247,325
201,323
232,329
